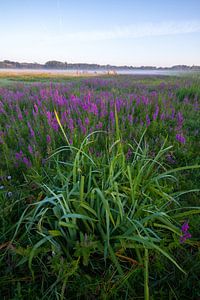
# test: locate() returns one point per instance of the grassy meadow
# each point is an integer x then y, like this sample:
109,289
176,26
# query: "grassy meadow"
99,187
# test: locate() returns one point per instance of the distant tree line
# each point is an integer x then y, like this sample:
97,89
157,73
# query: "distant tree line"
58,65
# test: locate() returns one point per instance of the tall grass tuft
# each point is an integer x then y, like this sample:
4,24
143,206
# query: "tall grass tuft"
105,217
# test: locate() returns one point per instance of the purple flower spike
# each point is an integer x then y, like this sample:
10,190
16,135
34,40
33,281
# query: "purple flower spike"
185,227
148,122
180,138
27,162
48,139
19,155
184,237
185,234
30,149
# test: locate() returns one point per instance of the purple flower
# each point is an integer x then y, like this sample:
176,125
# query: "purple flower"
162,116
148,122
30,149
185,233
32,133
180,138
87,121
99,125
71,124
35,110
19,155
129,153
180,119
185,227
156,113
170,159
130,118
27,162
48,139
20,117
112,116
184,237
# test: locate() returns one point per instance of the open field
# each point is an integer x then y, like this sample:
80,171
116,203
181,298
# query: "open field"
99,187
10,77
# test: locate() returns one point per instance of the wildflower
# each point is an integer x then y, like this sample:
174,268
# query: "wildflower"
185,227
48,139
87,121
171,159
99,125
185,233
184,237
162,116
180,119
20,117
32,133
112,116
27,162
19,155
156,113
35,111
71,124
1,187
180,138
147,120
9,194
9,177
30,149
130,118
129,153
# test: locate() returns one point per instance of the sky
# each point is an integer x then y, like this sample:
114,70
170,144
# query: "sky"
117,32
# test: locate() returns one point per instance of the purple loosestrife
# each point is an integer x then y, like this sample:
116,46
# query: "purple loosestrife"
19,155
180,138
35,110
128,154
179,121
162,116
130,118
48,139
112,117
30,149
32,133
145,100
71,125
180,118
1,137
83,129
185,233
170,159
54,124
52,121
173,113
99,125
87,121
27,162
94,109
48,114
20,117
148,122
2,111
155,115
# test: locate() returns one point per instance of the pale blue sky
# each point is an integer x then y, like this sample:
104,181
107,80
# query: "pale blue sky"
137,32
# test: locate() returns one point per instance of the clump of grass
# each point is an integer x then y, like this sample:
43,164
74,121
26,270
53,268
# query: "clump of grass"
111,213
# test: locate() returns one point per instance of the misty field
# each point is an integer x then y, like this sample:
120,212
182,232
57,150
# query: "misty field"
99,187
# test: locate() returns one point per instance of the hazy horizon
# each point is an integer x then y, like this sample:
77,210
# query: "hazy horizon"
136,33
106,64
